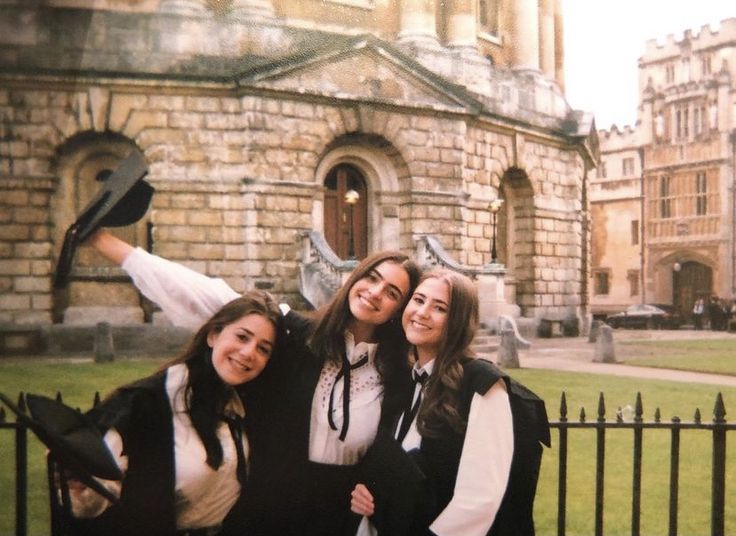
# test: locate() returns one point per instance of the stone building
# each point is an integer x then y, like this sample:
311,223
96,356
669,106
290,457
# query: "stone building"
256,117
664,202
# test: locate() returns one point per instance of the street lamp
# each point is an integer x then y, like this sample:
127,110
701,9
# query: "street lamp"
495,207
351,197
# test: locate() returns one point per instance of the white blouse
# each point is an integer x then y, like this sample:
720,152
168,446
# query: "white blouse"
189,299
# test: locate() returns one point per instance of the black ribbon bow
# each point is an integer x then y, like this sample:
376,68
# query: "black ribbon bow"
411,411
344,373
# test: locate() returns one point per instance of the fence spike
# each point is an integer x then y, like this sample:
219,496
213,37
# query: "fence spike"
719,411
676,419
657,415
601,408
563,406
96,400
697,416
620,414
58,396
582,414
638,408
21,402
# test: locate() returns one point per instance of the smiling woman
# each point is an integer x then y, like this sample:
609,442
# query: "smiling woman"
178,436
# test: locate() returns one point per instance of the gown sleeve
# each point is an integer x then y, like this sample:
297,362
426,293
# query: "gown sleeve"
485,464
186,297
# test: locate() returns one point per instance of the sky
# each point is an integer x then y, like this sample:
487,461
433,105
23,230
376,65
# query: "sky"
604,40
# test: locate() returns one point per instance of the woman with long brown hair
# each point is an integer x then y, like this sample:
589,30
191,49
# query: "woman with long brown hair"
340,372
179,436
457,425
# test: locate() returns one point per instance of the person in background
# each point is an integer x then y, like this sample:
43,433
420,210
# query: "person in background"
458,423
698,310
342,371
179,435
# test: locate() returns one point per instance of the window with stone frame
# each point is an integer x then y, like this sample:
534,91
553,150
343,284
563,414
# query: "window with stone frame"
601,281
665,197
627,167
670,73
701,193
705,64
682,122
488,16
632,276
634,232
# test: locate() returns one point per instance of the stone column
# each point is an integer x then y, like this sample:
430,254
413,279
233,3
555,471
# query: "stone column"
461,24
547,38
524,38
559,46
418,23
184,7
253,9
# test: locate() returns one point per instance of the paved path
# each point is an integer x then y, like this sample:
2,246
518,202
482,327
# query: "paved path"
575,354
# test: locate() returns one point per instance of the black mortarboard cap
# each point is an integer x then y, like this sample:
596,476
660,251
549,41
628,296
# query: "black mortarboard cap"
72,439
123,199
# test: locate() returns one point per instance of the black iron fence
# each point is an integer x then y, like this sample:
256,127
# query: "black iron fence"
717,427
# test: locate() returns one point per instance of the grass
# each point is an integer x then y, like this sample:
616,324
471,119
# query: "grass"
716,356
79,381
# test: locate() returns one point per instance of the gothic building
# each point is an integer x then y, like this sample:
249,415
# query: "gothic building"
257,116
663,203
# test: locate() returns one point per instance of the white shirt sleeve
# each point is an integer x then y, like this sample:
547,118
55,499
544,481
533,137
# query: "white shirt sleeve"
186,297
485,464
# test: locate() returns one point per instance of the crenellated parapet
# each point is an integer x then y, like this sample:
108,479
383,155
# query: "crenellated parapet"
705,38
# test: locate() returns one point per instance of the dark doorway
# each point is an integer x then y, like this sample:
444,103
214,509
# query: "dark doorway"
693,281
346,224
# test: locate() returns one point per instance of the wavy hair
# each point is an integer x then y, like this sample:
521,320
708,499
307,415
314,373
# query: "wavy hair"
328,339
206,395
441,395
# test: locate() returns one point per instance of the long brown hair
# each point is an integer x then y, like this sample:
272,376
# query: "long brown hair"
441,396
206,395
328,339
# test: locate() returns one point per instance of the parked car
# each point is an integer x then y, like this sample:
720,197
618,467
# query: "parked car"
646,316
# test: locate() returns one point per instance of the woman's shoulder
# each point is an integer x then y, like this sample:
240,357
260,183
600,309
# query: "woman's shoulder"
479,375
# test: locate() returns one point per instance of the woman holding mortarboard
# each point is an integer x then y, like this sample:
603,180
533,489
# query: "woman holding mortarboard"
457,425
339,374
179,436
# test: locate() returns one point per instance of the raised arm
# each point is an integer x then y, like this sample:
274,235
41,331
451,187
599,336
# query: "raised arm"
186,297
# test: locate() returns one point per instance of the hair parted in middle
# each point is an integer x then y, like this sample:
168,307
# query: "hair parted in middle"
328,339
441,396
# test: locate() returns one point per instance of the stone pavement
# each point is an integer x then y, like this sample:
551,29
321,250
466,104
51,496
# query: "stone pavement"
575,354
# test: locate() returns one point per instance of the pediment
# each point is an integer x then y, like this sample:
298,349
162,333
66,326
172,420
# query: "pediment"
364,69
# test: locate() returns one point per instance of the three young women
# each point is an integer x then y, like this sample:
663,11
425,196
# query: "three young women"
457,425
179,435
339,374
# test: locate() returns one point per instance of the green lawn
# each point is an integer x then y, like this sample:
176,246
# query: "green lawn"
79,381
709,355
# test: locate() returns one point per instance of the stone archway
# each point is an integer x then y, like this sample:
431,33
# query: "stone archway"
382,169
515,236
691,281
97,290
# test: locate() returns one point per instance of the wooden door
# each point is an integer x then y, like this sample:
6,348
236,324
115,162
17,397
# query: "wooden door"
693,281
346,224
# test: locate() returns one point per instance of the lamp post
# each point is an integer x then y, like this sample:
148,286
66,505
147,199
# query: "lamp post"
351,197
495,207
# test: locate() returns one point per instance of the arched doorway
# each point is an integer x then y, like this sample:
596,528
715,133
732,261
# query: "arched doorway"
692,281
97,289
345,224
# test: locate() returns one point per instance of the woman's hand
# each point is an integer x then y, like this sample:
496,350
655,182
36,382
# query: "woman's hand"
361,501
